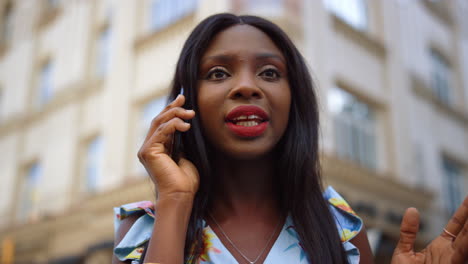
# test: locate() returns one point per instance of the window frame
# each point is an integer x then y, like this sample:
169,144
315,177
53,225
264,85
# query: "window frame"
28,206
7,24
452,181
360,21
98,165
103,56
52,4
45,84
351,129
441,77
2,104
171,12
267,7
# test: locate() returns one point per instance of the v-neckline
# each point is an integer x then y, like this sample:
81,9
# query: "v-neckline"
234,254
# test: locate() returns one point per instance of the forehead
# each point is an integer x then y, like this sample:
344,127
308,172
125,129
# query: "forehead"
242,40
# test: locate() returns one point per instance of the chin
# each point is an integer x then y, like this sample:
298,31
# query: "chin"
248,151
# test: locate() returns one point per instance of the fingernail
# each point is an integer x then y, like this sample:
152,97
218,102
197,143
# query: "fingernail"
190,111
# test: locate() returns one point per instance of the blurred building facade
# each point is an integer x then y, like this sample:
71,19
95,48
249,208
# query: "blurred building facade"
80,81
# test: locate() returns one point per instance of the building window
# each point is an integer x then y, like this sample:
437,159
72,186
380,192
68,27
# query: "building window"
419,165
441,75
1,104
354,128
94,169
103,51
7,24
45,83
453,185
266,7
353,12
148,113
166,12
52,4
29,193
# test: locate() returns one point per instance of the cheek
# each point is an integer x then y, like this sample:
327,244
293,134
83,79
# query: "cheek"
203,101
208,109
207,95
287,101
284,106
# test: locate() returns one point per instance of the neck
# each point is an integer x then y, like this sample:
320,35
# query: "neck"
244,187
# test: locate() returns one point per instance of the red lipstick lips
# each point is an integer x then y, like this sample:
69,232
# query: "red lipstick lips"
247,121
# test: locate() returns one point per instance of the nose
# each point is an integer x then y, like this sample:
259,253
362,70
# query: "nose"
246,87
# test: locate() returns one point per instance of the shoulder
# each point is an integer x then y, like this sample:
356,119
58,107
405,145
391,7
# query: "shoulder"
122,230
125,225
133,225
349,224
350,227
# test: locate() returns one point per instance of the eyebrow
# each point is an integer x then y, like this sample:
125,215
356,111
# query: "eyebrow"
228,58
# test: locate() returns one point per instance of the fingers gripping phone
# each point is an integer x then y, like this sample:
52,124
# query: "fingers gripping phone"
176,141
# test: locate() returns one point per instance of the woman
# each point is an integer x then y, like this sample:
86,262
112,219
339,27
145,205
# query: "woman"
248,187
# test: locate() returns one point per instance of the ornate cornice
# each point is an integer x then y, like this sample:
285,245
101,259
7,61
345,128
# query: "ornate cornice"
73,93
384,185
379,198
68,233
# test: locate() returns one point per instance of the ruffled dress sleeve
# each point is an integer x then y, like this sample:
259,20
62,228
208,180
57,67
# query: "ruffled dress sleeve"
132,245
347,222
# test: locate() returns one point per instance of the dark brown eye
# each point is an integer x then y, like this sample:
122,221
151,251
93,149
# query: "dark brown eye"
270,74
217,74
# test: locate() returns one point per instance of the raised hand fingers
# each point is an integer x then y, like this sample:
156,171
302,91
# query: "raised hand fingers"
408,231
460,246
162,136
457,222
458,227
169,177
174,109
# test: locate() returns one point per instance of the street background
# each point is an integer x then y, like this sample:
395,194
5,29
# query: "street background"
80,81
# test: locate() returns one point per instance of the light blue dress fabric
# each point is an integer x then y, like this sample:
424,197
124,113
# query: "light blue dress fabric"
286,248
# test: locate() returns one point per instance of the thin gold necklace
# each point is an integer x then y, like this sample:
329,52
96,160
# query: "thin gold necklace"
238,250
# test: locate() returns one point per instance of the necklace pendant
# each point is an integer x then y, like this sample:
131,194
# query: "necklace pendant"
234,246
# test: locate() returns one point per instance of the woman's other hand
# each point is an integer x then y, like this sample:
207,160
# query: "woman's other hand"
170,178
451,246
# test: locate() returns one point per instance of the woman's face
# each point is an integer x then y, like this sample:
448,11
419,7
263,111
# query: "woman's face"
244,96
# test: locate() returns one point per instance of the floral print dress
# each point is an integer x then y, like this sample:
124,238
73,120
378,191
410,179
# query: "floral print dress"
286,249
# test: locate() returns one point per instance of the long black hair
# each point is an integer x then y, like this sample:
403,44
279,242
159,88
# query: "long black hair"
299,178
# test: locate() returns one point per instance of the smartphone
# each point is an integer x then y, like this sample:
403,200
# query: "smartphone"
177,141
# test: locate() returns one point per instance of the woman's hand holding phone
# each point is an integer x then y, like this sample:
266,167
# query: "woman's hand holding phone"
172,179
176,183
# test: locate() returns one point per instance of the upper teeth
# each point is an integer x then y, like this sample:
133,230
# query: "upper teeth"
247,123
243,117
